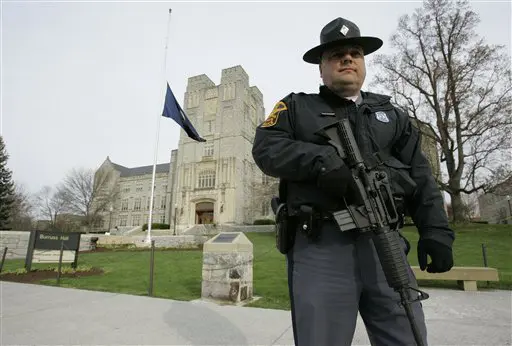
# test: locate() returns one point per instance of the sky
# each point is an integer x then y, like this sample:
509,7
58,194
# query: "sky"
81,81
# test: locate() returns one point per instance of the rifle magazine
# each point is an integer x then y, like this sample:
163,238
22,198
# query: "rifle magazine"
344,220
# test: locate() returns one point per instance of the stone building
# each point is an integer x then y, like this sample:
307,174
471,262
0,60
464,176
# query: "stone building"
129,191
215,181
496,205
429,147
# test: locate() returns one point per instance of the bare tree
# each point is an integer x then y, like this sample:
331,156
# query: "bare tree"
22,209
50,203
470,206
88,193
446,76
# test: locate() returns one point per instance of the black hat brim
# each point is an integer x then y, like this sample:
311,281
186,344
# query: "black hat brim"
368,44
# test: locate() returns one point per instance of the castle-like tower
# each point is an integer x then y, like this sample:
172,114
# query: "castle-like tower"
217,181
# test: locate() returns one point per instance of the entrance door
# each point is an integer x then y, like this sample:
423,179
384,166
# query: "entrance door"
204,213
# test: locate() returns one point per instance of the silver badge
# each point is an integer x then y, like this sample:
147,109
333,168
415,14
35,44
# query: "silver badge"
381,116
344,30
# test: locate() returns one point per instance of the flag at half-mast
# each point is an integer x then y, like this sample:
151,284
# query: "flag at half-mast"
173,110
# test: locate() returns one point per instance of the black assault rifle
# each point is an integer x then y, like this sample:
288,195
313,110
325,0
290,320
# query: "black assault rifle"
377,214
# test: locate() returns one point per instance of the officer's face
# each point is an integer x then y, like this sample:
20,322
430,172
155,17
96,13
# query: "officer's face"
343,70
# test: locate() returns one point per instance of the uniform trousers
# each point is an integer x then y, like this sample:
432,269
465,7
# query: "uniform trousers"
337,276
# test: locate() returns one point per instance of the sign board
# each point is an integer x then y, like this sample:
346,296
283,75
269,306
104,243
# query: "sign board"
46,246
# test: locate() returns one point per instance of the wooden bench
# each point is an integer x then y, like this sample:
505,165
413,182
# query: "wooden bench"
466,277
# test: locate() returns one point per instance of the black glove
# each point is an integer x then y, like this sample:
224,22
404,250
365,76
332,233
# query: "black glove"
335,181
441,255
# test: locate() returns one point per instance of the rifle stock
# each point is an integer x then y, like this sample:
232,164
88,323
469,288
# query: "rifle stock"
378,215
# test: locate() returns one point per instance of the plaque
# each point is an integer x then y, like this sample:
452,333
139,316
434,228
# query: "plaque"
225,238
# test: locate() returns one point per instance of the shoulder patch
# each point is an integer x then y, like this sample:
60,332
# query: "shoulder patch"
274,115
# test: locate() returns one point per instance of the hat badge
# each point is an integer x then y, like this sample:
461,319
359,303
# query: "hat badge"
382,117
344,30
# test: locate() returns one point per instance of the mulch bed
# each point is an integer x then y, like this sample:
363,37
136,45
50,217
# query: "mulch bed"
36,275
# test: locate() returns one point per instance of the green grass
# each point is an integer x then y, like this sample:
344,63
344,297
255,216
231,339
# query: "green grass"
177,273
467,251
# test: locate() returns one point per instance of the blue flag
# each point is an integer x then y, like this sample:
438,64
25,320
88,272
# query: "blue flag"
173,110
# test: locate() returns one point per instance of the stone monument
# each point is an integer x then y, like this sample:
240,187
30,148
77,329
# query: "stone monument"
227,268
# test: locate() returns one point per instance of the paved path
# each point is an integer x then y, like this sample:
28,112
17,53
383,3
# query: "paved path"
36,315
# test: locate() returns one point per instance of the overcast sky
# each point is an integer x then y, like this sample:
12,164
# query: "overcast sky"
83,81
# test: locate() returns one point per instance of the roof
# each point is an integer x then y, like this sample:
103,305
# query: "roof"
131,172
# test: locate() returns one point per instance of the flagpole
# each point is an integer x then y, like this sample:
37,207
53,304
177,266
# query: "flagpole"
159,117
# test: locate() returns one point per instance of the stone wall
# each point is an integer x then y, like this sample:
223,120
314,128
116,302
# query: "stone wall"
17,243
164,241
248,228
227,275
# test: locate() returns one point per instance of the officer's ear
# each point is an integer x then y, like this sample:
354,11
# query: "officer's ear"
322,59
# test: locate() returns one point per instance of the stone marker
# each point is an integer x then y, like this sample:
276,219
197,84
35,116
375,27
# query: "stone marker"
227,267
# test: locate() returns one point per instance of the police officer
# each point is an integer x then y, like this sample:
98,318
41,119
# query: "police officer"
333,275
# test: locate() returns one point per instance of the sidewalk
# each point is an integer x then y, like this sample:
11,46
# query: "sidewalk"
34,314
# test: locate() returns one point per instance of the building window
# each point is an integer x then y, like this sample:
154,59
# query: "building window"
163,202
136,220
206,179
123,220
124,205
162,219
208,149
137,204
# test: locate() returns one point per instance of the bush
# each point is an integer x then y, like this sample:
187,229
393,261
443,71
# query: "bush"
264,222
156,226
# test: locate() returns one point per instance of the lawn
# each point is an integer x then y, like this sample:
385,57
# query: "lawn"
177,274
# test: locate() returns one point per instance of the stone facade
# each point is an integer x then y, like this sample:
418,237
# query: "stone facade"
429,147
217,181
227,272
130,191
16,243
161,241
212,182
496,205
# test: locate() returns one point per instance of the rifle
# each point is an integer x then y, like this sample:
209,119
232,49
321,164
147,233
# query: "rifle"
377,214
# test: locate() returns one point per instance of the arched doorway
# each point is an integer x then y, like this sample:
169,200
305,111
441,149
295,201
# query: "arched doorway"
204,213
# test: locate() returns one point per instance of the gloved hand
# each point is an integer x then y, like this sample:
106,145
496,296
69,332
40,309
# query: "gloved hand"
441,255
335,181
